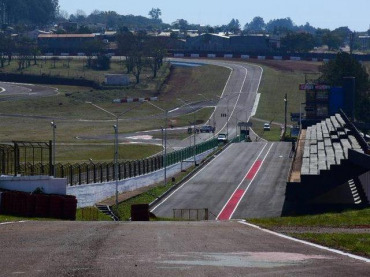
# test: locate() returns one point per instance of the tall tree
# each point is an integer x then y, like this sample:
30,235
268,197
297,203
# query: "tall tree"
233,26
298,42
281,26
35,12
155,13
257,25
345,65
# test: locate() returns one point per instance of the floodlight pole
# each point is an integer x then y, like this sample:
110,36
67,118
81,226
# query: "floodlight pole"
300,116
116,152
53,126
194,149
285,112
165,138
116,157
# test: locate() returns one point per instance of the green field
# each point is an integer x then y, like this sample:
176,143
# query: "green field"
344,219
357,243
91,214
75,119
273,87
123,211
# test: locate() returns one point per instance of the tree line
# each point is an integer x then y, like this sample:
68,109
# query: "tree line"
35,12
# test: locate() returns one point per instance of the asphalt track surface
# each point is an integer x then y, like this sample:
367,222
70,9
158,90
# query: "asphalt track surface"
216,248
246,180
17,91
237,98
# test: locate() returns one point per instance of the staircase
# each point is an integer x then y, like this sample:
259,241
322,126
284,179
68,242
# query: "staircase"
105,209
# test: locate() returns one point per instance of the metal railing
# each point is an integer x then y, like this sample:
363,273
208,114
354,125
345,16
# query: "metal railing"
90,173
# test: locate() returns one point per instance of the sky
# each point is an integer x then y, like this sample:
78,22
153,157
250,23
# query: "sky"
329,14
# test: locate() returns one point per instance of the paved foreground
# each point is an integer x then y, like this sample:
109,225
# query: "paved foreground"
215,248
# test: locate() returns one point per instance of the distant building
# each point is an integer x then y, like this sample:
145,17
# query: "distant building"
63,43
251,43
208,42
364,42
68,26
222,43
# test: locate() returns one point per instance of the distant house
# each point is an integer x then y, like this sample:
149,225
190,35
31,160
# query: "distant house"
222,43
63,43
364,42
68,26
208,42
250,43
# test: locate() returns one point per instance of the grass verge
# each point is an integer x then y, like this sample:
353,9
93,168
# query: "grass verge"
344,219
123,211
104,153
274,85
91,214
355,243
272,135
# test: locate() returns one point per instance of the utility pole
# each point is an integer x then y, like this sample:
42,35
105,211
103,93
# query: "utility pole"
285,113
53,126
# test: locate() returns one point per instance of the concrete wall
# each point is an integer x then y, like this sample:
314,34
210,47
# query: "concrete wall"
89,195
30,183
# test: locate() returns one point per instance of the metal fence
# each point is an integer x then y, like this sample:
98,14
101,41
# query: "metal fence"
191,214
88,173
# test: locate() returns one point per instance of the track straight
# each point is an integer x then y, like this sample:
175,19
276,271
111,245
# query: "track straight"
233,202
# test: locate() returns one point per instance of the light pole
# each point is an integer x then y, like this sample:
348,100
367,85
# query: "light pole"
194,149
116,157
165,139
300,116
285,113
53,126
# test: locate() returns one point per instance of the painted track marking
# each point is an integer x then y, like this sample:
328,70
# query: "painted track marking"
228,210
242,182
308,243
254,169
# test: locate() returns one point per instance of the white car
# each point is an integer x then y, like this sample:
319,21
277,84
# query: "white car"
266,127
222,138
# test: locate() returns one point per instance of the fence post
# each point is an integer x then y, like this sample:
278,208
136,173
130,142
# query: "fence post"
79,175
125,170
87,174
71,174
129,169
101,173
139,167
94,168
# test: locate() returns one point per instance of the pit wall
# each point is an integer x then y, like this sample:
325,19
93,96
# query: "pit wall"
89,195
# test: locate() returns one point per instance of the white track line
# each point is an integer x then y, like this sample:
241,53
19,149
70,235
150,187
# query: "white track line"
12,222
164,200
308,243
241,181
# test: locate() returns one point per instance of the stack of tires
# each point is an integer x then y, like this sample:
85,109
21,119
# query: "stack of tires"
38,205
